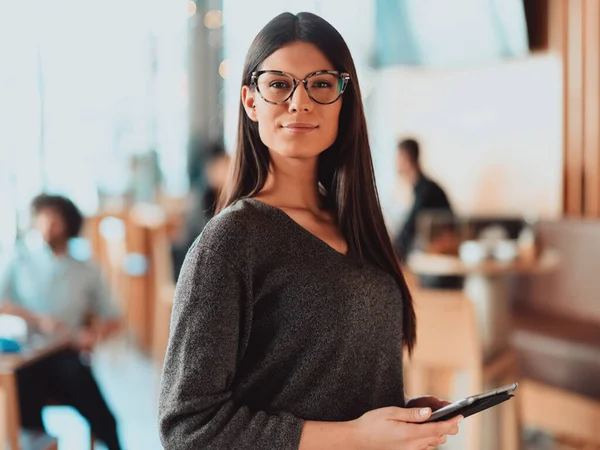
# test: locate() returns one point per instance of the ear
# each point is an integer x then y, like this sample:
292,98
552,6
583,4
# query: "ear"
249,102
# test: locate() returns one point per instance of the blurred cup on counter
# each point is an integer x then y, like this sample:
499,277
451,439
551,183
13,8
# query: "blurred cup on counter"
472,252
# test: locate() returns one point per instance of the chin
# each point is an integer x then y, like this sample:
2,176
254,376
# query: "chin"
300,151
300,147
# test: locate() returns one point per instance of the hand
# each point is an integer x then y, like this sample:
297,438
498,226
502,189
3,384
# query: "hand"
50,325
427,401
85,340
394,428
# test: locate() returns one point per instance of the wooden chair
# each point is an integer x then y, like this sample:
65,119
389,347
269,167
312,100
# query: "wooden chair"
27,440
145,222
447,344
110,251
163,287
571,418
119,243
3,420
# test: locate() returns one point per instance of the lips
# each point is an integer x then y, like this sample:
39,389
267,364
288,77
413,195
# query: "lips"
299,127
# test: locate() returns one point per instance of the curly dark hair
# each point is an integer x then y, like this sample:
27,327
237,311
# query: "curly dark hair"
63,206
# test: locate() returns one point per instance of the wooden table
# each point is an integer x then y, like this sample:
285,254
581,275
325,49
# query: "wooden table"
486,285
38,348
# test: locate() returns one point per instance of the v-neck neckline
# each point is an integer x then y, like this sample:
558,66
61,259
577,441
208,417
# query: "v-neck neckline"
296,225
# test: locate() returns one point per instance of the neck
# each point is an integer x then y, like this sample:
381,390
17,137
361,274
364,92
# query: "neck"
293,183
413,176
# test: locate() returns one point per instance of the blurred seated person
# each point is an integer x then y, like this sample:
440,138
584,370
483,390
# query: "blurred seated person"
429,197
56,293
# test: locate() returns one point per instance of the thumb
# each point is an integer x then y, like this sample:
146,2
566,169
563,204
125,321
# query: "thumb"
412,414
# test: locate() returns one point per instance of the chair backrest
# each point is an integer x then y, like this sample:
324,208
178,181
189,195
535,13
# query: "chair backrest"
107,233
161,262
3,420
447,336
163,287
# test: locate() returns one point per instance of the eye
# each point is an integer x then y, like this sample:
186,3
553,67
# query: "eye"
322,84
279,85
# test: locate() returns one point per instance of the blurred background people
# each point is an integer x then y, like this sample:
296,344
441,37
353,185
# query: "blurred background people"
428,195
430,198
204,203
217,169
55,293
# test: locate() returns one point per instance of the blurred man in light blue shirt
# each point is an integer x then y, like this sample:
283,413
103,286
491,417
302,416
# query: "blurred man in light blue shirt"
42,283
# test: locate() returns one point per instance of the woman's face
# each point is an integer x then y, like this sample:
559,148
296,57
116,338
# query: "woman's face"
298,128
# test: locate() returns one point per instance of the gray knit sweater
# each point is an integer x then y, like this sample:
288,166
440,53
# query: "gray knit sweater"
270,327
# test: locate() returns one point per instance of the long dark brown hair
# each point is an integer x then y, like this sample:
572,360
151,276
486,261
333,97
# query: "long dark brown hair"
345,170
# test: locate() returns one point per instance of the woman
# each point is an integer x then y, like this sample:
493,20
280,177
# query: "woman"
291,311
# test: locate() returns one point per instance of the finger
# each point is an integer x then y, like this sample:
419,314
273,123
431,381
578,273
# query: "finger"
428,443
433,430
440,440
425,432
455,427
411,415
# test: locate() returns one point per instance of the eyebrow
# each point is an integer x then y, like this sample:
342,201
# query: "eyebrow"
297,78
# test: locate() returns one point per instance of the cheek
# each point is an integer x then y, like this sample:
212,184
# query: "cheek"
331,125
267,128
58,228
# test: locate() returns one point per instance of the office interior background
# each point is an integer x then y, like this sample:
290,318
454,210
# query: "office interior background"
120,105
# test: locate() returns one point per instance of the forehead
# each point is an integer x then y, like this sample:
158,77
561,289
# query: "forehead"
48,212
299,59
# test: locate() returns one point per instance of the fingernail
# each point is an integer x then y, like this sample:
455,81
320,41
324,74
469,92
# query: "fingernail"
424,411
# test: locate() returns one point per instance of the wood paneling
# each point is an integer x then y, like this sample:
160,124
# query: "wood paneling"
556,25
574,32
574,109
591,89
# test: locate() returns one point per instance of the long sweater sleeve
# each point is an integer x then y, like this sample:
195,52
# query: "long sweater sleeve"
210,325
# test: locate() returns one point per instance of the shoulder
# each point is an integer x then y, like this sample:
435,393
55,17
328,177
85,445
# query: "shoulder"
433,187
19,254
241,227
8,260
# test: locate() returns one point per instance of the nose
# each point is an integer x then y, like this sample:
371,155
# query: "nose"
300,100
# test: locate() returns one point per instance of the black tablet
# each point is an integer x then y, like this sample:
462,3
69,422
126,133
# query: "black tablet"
474,404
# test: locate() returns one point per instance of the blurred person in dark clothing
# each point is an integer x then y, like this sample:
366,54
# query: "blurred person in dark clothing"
56,293
428,197
216,167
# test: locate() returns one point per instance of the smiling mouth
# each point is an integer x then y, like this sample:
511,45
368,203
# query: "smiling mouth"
300,128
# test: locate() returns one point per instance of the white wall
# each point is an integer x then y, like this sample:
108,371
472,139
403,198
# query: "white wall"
492,136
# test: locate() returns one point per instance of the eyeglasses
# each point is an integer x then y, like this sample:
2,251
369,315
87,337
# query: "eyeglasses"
323,87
